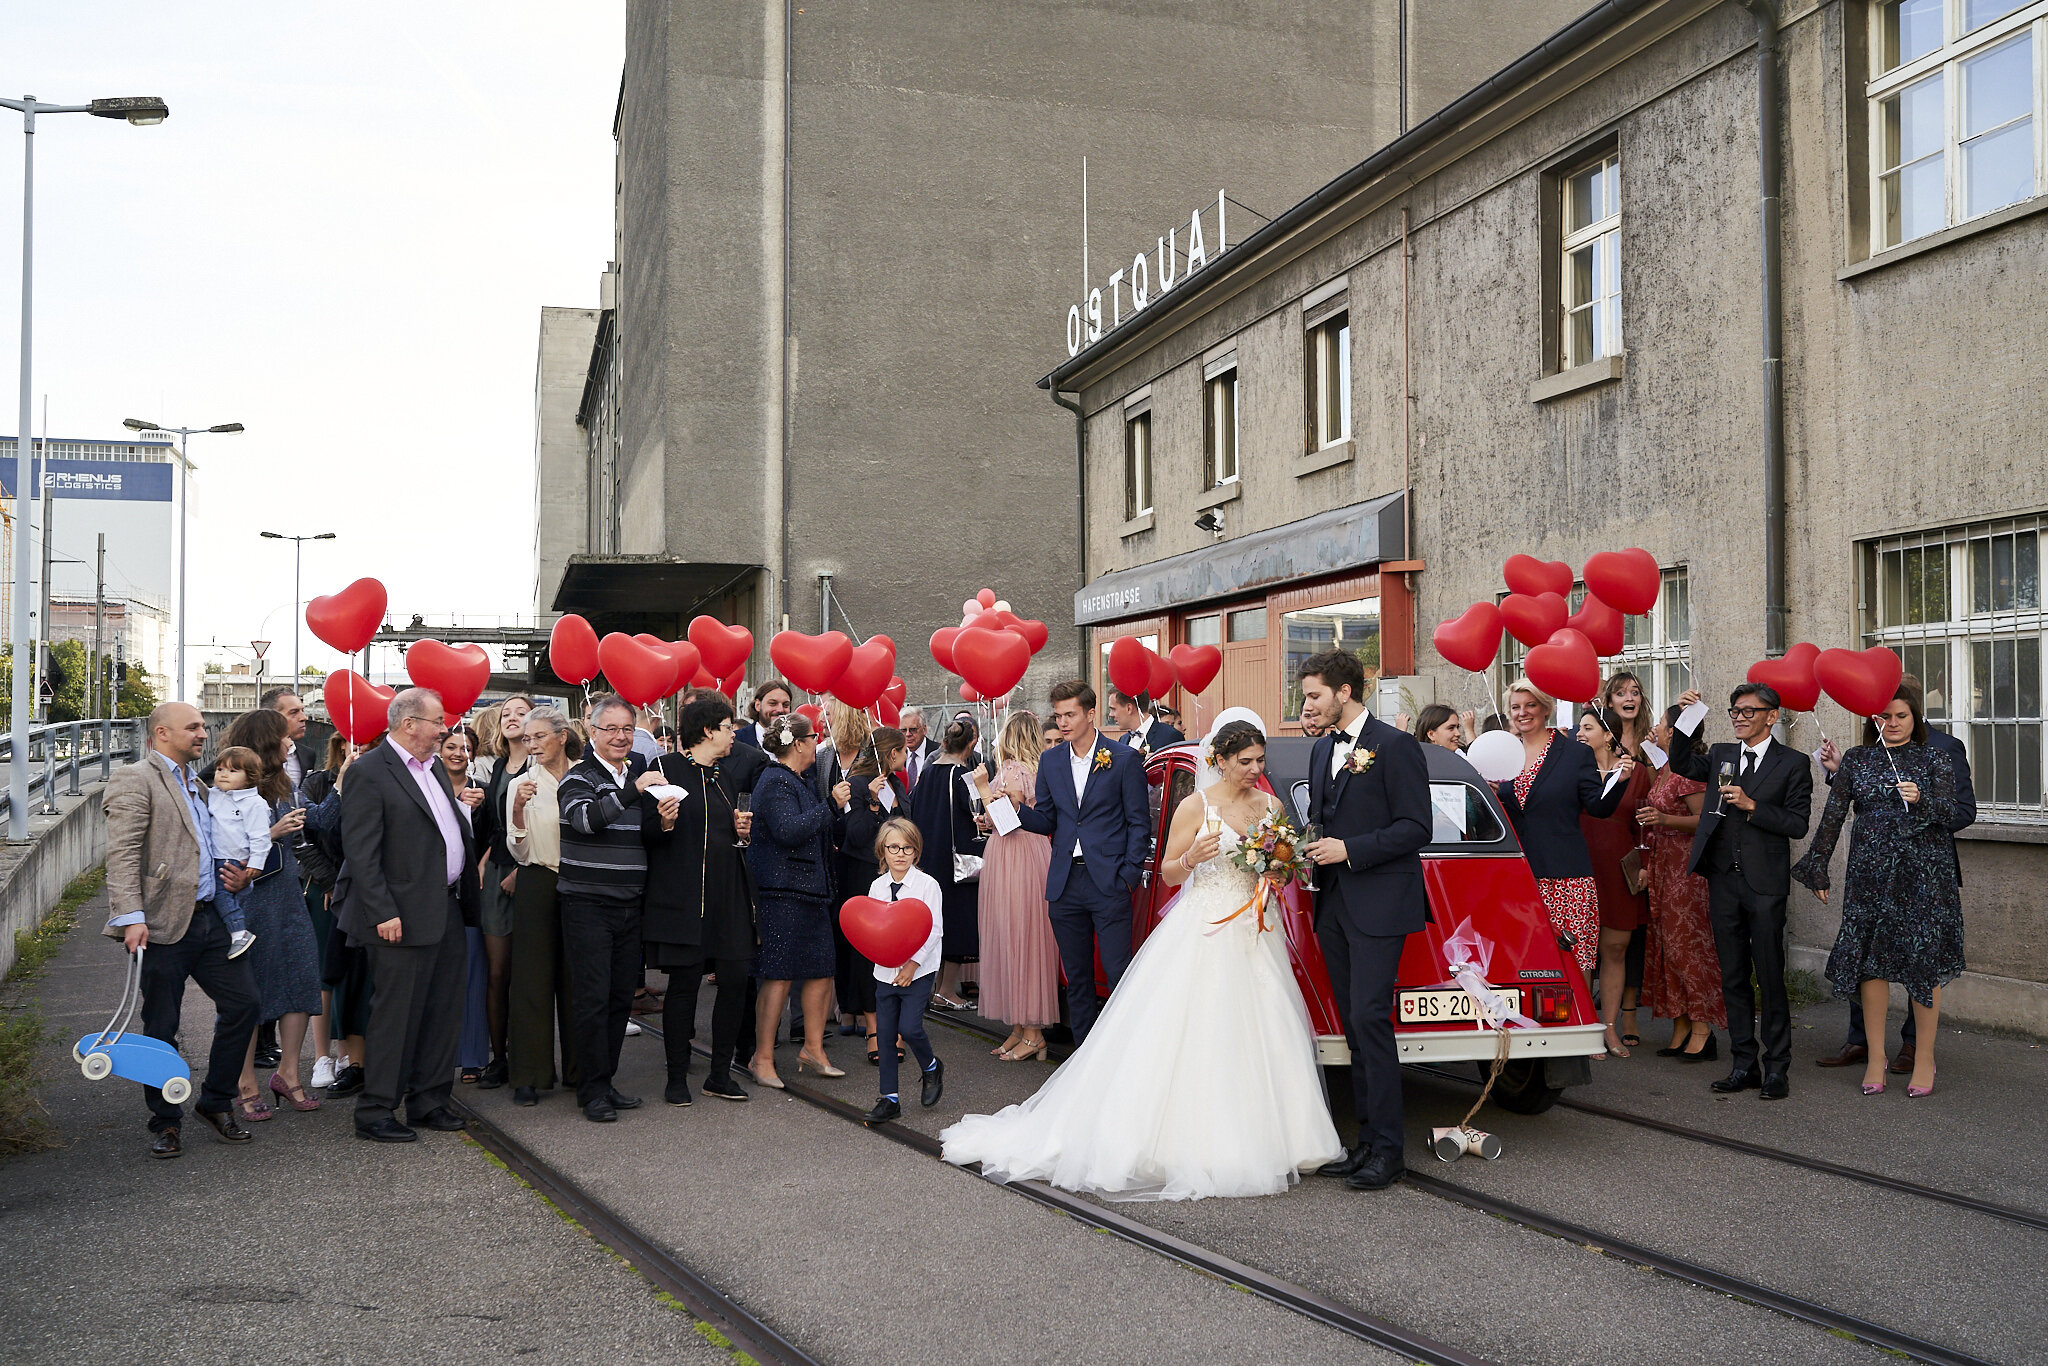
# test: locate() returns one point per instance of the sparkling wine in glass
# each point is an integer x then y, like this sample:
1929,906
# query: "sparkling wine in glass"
743,803
1726,777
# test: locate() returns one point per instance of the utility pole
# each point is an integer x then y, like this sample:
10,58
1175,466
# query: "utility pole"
95,689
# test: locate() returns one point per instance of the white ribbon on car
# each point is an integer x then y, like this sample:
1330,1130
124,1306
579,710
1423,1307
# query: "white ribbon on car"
1466,955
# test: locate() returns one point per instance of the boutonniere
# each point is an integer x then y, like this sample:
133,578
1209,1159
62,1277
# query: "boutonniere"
1360,760
1102,760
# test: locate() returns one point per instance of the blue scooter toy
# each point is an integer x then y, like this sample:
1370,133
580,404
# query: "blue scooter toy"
114,1052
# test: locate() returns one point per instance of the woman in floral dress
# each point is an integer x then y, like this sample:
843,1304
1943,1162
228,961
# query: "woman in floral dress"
1681,967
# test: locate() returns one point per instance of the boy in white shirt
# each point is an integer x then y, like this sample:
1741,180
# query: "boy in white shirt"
241,833
902,993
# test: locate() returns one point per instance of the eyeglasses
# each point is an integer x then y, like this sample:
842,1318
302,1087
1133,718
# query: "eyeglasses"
440,723
612,730
1747,713
898,849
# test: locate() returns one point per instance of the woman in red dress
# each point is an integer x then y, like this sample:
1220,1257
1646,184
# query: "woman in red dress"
1681,968
1609,839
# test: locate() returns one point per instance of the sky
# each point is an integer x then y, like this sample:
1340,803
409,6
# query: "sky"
341,238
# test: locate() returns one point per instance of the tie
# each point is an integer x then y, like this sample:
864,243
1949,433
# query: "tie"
1748,763
895,890
916,757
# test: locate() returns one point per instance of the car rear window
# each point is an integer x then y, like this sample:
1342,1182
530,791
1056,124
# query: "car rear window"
1460,815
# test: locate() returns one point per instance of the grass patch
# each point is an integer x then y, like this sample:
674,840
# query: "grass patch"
24,1123
1804,988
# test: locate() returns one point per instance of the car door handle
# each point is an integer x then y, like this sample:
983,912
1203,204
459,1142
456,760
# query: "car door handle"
1144,877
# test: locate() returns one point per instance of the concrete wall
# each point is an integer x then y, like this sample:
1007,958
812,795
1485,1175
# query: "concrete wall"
561,487
61,848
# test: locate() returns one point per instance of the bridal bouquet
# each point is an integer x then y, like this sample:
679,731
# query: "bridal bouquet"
1273,851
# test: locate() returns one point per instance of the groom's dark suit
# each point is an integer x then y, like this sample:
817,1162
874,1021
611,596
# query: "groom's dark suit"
1367,906
1109,824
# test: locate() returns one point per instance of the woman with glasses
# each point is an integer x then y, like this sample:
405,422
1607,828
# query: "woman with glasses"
1609,841
877,794
699,913
1020,962
537,994
1681,967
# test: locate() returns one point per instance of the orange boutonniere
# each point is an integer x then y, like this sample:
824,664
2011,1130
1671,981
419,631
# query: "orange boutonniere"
1102,760
1360,760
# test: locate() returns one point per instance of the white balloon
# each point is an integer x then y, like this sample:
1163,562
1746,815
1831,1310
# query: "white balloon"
1497,755
1002,605
970,608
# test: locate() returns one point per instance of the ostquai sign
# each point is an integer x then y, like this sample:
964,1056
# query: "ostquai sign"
1143,280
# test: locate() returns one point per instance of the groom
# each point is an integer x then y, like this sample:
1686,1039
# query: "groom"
1369,795
1091,801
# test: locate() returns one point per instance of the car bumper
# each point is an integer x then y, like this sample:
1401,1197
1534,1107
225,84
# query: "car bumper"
1475,1045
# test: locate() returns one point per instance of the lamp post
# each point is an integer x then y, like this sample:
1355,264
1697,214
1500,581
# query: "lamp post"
135,424
298,548
142,110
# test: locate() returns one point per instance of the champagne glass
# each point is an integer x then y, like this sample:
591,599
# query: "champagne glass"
743,803
1726,776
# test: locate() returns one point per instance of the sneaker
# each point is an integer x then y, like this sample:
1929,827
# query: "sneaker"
323,1074
239,942
632,1028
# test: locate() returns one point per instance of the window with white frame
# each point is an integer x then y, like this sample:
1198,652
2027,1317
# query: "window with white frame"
1329,381
1962,607
1219,428
1137,465
1656,647
1955,112
1592,262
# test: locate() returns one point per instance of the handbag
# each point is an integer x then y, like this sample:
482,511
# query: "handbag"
1633,873
966,867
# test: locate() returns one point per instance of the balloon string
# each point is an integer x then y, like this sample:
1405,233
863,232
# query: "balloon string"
1897,777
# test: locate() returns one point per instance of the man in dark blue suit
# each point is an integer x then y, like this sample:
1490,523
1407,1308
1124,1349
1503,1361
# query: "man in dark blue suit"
1369,796
1091,802
1856,1048
1142,731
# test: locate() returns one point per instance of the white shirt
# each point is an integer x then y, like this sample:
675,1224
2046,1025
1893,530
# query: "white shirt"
1139,733
918,885
1758,751
1083,761
241,825
1341,755
618,774
292,768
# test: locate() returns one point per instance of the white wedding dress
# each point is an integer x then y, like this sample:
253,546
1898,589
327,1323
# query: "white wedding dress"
1199,1078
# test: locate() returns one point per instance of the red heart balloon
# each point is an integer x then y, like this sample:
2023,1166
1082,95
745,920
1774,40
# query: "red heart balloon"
356,706
814,714
982,621
886,932
895,693
887,712
1163,677
1130,665
813,663
689,663
724,648
1626,579
1197,665
730,684
460,673
1565,666
572,650
942,646
637,671
1862,681
348,619
968,694
1036,633
867,673
702,678
1530,576
991,661
1599,623
1533,620
1792,676
1471,639
660,646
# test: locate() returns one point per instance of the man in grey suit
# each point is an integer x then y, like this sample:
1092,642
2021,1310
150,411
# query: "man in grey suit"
406,890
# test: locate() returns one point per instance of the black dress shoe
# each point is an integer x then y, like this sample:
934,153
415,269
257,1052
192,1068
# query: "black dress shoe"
600,1111
934,1084
621,1101
347,1082
884,1111
166,1143
725,1088
525,1095
1376,1173
441,1121
1775,1087
226,1125
386,1130
493,1076
269,1057
1738,1080
677,1092
1353,1159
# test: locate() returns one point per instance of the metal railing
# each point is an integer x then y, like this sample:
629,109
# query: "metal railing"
65,751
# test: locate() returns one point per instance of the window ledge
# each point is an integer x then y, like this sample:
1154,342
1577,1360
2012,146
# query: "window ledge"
1578,377
1934,241
1217,497
1141,522
1329,457
2004,832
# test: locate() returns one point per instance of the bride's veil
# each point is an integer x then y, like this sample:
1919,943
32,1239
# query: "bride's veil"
1207,775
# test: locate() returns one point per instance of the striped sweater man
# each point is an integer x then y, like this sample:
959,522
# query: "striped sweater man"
603,856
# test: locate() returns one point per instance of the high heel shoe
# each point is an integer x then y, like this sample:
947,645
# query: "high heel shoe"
1916,1092
252,1109
1027,1053
1678,1043
820,1065
1708,1052
1870,1090
295,1096
772,1083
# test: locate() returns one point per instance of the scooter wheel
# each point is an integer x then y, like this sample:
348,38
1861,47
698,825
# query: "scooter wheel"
97,1067
177,1090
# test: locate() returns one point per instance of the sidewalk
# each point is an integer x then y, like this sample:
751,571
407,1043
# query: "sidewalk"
302,1245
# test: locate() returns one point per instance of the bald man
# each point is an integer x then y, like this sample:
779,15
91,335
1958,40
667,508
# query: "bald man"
162,879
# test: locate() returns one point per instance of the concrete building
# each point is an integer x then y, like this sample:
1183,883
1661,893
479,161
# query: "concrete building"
134,633
1536,324
847,237
232,692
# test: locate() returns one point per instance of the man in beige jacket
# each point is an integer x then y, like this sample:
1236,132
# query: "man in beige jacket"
162,878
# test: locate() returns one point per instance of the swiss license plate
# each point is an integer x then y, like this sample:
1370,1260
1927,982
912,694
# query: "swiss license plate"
1445,1005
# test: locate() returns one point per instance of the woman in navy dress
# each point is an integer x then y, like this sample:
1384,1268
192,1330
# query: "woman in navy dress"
1902,913
944,814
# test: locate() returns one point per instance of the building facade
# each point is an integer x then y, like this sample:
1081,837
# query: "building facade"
1538,323
126,632
848,235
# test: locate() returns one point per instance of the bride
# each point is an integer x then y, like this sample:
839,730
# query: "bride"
1200,1076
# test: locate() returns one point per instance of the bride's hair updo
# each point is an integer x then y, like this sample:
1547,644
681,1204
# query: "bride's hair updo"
1234,739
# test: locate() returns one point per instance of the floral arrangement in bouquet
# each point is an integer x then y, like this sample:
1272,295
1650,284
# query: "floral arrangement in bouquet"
1272,851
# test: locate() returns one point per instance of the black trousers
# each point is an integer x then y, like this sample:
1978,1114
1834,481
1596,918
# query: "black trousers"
537,996
1086,921
1363,969
601,949
415,1023
900,1011
1749,932
201,956
730,1012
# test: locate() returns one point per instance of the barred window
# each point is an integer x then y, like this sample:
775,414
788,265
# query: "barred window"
1962,608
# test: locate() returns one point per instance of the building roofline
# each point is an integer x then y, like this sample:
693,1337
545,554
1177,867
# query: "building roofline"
1580,33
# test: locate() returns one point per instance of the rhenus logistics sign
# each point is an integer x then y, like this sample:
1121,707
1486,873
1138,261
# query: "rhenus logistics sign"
1144,279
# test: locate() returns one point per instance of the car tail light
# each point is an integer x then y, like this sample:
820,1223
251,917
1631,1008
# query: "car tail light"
1553,1005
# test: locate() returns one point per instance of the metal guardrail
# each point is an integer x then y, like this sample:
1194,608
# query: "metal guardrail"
65,751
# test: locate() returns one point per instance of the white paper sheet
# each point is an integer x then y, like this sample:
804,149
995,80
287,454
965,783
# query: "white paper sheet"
663,791
1689,719
1657,757
1612,779
1004,813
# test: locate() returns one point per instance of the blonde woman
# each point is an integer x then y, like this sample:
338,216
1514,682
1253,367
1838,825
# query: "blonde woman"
1020,962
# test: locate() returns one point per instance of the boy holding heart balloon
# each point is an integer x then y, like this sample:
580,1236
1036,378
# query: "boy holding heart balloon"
903,992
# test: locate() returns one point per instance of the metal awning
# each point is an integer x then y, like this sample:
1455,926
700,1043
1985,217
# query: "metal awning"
1328,543
633,585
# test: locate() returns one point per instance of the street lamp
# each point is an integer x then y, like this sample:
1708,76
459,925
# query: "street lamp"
142,110
136,424
298,547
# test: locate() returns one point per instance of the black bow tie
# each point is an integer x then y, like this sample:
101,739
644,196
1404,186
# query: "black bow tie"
1345,737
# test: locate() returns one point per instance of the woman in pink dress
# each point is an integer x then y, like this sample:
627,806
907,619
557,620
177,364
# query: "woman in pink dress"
1681,968
1020,962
